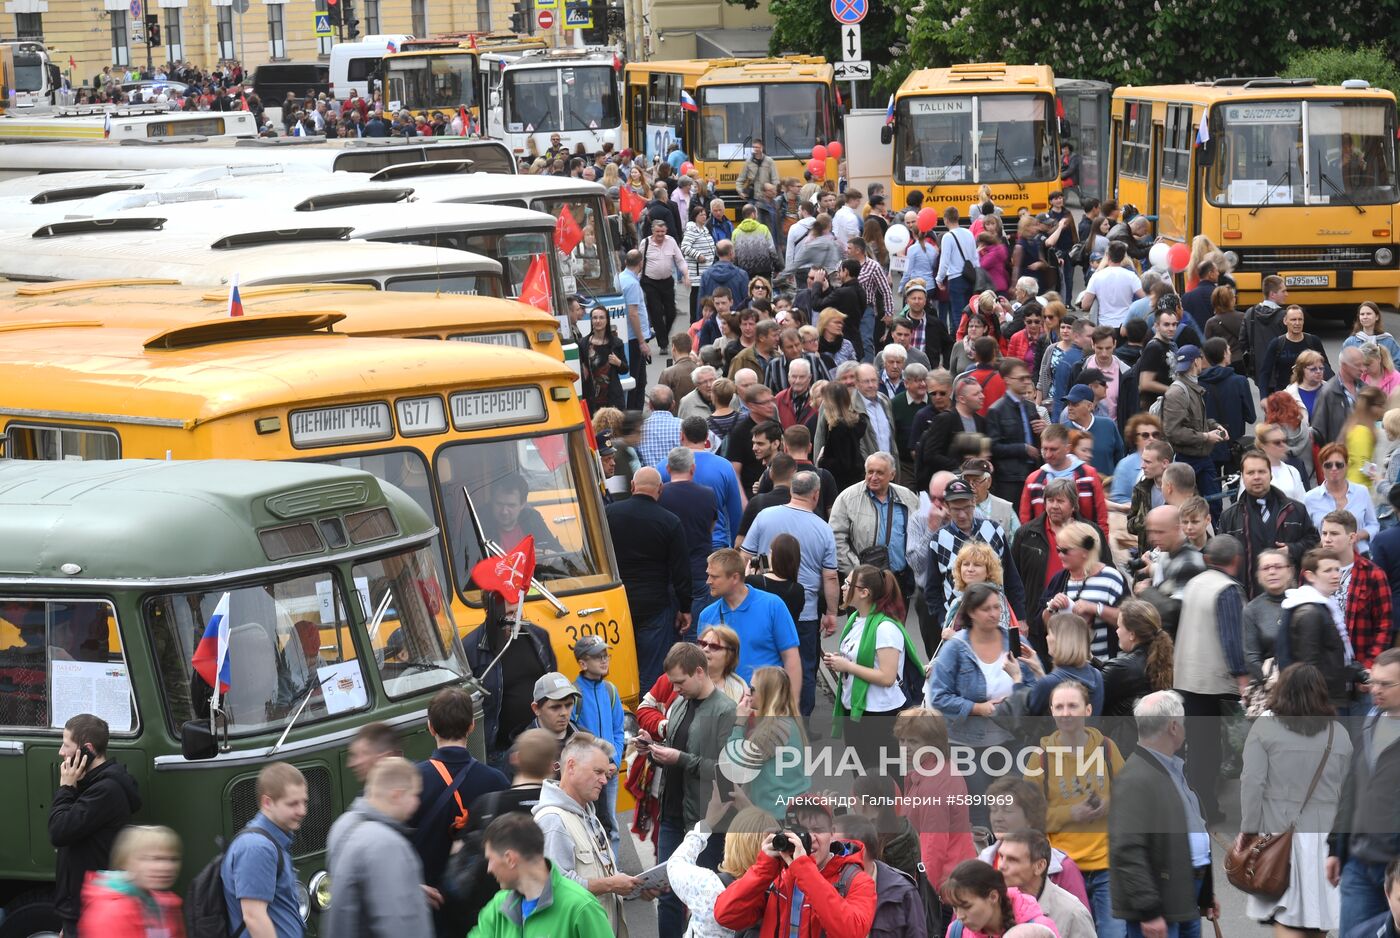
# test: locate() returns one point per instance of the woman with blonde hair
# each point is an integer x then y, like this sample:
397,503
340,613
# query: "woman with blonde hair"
1359,433
1201,249
1067,636
1379,370
611,177
841,432
1272,441
1087,587
698,887
767,719
135,898
976,562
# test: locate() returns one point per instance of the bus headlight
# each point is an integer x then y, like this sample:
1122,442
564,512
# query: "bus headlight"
303,902
1385,257
320,890
1233,259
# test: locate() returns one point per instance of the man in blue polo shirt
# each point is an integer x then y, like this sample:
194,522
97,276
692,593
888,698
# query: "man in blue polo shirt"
715,473
260,885
629,284
767,634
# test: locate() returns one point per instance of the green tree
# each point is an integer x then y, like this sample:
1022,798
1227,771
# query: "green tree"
1332,66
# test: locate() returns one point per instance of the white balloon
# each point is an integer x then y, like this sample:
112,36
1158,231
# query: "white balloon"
896,239
1160,256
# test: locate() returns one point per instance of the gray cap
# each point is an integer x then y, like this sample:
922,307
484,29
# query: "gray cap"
554,686
590,645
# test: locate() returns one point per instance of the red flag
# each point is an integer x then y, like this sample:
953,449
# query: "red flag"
71,64
631,203
1059,109
535,288
567,233
509,575
466,119
553,450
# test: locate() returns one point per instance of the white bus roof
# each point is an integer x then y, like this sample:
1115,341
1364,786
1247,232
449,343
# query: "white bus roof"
139,122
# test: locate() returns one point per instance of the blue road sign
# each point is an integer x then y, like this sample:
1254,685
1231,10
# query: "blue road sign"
849,12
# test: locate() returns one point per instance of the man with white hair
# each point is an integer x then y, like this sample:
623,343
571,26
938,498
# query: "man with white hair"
794,402
877,407
1158,847
892,360
698,402
875,512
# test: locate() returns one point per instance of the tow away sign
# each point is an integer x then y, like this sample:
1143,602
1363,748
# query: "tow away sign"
851,71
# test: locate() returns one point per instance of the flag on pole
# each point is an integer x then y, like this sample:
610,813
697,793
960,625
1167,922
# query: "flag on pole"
106,125
72,64
235,302
391,46
1203,131
687,102
509,575
567,233
466,118
631,204
211,654
534,289
889,111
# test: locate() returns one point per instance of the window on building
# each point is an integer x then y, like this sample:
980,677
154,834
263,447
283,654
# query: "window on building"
419,10
121,40
225,32
276,32
29,26
483,16
371,23
174,45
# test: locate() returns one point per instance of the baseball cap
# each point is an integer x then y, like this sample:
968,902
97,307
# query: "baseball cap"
976,467
1078,394
590,645
554,686
1045,218
604,440
958,490
1185,356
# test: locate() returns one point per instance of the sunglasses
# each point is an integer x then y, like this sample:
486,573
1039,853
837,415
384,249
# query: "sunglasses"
714,646
1334,465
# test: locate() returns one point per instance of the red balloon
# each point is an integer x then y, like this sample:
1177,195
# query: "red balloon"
816,167
819,152
835,150
928,219
687,168
1179,256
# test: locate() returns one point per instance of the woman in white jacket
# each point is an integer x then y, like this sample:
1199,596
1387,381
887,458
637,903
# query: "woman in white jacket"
697,887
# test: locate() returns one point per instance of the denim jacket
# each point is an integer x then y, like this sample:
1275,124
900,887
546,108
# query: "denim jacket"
956,684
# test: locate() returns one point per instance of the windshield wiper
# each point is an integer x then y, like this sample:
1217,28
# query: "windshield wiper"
1020,186
743,145
787,147
1287,175
1336,188
490,547
583,124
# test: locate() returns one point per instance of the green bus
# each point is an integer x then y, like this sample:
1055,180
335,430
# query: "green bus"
109,574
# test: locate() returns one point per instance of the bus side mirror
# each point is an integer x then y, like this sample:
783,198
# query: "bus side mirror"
1206,153
197,741
886,135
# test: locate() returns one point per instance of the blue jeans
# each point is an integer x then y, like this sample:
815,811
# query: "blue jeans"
867,334
1207,482
699,598
606,806
959,292
1187,929
1096,884
655,636
1362,893
670,911
809,649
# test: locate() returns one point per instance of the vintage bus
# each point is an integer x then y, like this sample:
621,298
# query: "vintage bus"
109,573
659,96
1286,176
444,73
542,92
490,442
989,124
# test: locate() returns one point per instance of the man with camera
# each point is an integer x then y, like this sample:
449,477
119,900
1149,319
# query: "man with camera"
821,883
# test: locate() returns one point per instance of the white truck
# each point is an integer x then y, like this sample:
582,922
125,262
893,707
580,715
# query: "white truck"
32,76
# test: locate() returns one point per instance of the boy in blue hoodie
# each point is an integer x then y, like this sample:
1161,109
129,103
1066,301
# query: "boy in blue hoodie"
599,711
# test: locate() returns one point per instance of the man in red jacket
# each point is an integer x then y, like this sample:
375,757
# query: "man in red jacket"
832,891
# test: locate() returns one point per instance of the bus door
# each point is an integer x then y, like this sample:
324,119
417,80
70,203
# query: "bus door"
1177,136
665,121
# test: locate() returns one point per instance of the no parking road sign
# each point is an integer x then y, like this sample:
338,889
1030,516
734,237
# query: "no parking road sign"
849,12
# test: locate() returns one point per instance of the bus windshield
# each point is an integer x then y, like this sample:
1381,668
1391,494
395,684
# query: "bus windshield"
589,266
415,646
1264,158
441,81
975,139
525,486
789,118
571,98
453,284
29,72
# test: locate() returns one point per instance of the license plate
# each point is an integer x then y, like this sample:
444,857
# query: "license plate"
1308,280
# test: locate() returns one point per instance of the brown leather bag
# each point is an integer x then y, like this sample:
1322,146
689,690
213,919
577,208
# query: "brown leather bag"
1260,864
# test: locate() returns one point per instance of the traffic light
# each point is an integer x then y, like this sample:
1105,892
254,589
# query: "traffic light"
333,14
520,18
152,29
352,22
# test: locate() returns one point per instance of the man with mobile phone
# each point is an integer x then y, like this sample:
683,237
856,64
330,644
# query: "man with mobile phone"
95,800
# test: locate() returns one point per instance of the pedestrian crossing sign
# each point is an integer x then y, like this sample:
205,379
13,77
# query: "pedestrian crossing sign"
578,15
323,24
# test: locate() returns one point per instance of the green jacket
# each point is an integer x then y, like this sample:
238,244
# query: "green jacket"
565,910
709,731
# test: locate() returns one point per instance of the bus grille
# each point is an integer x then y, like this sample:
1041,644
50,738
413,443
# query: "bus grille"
1270,259
320,809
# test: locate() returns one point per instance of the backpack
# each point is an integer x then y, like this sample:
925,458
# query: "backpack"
206,910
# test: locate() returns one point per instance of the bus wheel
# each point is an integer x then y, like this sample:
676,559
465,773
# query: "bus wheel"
30,915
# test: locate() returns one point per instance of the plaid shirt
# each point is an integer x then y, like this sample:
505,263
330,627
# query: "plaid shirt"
877,287
661,433
1368,611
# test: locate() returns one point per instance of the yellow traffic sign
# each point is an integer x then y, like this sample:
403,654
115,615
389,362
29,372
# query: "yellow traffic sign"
323,24
578,14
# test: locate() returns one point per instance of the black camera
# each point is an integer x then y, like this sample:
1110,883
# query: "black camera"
783,843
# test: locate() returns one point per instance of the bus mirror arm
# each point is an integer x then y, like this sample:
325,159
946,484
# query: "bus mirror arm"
489,546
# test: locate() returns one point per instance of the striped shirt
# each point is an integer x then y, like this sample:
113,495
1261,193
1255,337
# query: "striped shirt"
1107,587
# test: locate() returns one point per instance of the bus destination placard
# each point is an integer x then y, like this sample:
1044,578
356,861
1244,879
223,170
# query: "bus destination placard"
496,408
349,423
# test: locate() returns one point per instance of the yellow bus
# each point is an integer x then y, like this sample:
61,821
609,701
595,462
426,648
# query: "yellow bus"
988,124
788,103
444,73
656,113
1293,178
491,443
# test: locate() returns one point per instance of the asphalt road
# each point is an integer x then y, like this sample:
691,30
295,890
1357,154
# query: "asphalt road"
641,916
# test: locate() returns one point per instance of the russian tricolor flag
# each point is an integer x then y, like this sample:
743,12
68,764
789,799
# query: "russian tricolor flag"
1203,131
211,654
391,46
687,102
235,302
889,111
107,125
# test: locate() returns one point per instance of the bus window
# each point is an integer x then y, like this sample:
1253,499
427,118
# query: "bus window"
937,138
794,119
1016,138
285,642
455,284
1351,153
1133,155
533,100
731,118
59,659
440,81
590,94
53,443
415,645
405,469
523,487
1259,157
585,267
514,251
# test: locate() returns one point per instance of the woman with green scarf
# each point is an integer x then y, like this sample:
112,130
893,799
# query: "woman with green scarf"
871,657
